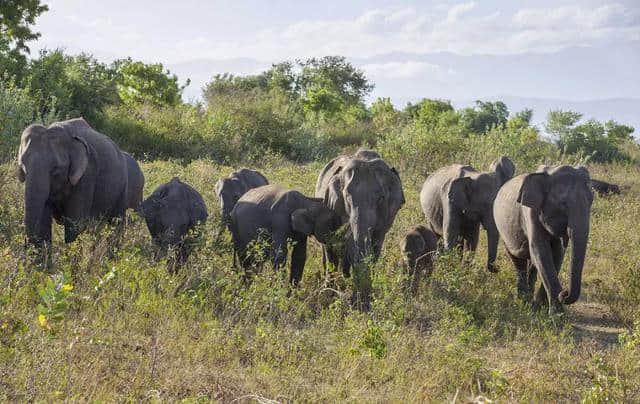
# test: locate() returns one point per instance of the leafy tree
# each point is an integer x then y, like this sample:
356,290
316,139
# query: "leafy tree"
601,142
337,76
561,123
80,85
16,19
484,116
147,83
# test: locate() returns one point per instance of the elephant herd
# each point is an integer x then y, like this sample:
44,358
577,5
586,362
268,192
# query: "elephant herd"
73,173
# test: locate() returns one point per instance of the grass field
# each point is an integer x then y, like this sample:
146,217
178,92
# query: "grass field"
126,334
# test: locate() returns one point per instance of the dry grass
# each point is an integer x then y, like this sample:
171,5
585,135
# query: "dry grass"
127,336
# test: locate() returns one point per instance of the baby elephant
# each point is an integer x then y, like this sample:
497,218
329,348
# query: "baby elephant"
231,188
280,214
418,248
171,211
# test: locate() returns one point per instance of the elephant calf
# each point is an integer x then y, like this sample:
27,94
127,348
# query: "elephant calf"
171,211
418,248
281,214
232,187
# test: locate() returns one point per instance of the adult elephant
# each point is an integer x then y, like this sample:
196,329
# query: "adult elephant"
280,214
71,173
537,215
457,199
366,193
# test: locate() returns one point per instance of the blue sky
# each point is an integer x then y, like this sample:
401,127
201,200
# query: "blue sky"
460,50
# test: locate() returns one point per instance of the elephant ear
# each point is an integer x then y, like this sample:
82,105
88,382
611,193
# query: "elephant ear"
302,222
504,167
533,190
79,158
460,191
333,196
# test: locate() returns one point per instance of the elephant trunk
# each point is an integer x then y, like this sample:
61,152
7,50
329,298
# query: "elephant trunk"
493,237
361,225
578,235
36,194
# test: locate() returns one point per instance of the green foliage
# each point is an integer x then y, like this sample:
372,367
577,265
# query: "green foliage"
17,111
484,116
601,142
372,339
81,86
54,295
16,19
140,83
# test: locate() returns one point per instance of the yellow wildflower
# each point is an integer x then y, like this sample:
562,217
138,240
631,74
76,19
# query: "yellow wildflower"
67,287
44,323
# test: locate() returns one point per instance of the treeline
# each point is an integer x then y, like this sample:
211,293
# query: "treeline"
302,110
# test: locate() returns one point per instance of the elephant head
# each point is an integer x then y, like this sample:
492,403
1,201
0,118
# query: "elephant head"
474,196
367,194
50,162
561,199
315,219
229,190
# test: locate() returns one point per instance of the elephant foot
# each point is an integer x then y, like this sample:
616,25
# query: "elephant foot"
491,267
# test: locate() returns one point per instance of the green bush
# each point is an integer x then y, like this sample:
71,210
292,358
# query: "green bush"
17,111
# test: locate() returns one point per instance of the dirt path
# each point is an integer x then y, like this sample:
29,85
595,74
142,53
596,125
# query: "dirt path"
594,321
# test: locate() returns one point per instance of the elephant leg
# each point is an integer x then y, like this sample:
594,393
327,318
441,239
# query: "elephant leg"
471,236
298,259
522,277
278,250
542,258
557,250
532,274
451,226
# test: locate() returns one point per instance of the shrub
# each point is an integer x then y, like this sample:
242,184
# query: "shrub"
18,110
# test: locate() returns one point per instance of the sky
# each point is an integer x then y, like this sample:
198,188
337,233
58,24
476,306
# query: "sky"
576,50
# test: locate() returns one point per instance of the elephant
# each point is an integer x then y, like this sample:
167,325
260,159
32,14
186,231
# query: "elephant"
418,247
457,199
284,214
135,182
537,215
367,194
604,188
232,187
171,211
71,173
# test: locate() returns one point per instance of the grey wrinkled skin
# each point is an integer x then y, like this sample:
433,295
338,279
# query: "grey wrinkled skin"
71,173
537,215
366,193
418,247
135,182
457,199
232,187
280,214
171,212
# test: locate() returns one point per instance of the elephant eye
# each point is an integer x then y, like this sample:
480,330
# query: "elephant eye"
380,200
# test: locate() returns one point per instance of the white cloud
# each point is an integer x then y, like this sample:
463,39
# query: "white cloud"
405,70
461,29
464,28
